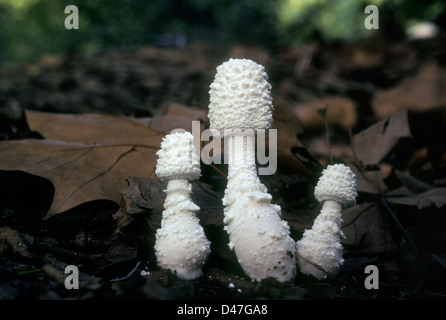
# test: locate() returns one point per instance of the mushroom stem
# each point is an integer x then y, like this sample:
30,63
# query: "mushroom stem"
256,231
242,170
241,149
178,196
319,252
330,215
179,221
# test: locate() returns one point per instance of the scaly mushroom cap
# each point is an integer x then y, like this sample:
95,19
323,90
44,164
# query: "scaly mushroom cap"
178,158
337,183
240,97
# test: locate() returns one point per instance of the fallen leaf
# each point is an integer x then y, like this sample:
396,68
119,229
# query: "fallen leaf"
366,230
92,128
412,183
339,112
178,117
400,192
79,172
374,143
142,203
422,200
288,128
92,158
423,92
324,151
136,198
368,181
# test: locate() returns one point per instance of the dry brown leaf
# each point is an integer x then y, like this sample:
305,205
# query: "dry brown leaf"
178,117
91,160
412,183
422,200
426,91
79,172
288,128
366,230
374,143
136,197
370,181
324,151
92,129
340,112
400,192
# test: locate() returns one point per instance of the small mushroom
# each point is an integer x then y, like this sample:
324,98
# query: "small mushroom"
319,252
181,244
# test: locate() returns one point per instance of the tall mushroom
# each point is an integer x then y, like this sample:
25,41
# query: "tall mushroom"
181,244
319,252
240,104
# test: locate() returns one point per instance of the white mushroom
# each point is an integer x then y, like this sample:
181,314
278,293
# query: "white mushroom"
319,252
240,103
181,244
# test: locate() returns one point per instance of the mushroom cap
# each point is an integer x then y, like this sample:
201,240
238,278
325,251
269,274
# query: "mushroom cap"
240,97
337,183
178,157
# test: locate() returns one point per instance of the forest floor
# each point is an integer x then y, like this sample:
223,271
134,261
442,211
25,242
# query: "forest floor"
77,152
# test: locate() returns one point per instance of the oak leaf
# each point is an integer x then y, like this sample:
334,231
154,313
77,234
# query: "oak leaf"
422,200
374,143
86,157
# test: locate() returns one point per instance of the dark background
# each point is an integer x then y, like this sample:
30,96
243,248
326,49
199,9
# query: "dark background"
32,28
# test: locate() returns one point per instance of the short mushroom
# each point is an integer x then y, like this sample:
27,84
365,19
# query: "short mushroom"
240,104
319,252
181,244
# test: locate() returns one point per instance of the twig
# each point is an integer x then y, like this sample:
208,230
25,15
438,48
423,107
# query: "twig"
128,275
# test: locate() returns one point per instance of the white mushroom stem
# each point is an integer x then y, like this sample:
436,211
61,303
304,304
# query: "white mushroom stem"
181,244
320,250
242,170
256,231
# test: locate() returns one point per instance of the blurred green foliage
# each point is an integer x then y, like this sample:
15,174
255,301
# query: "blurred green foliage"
30,28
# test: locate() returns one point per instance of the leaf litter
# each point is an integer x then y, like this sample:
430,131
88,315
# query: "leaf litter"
78,185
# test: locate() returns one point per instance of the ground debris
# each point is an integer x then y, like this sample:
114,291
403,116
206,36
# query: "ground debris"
12,240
